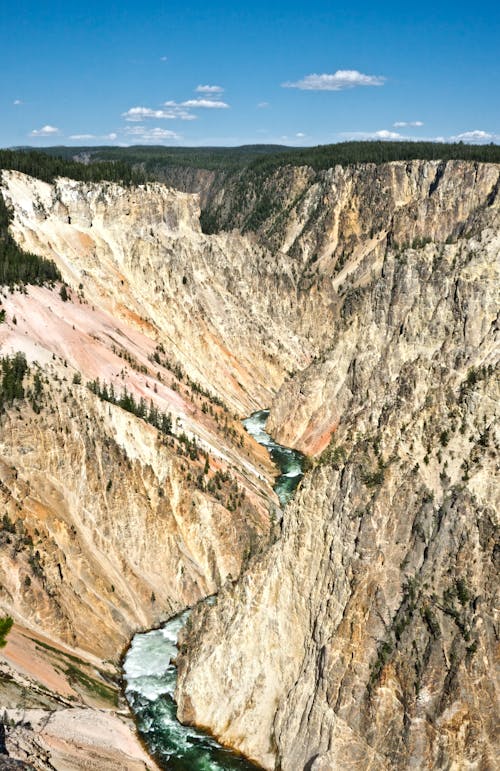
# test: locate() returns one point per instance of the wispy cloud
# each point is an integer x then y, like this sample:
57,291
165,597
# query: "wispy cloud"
470,137
382,134
17,102
477,135
151,134
163,58
45,131
215,90
208,104
263,105
338,81
136,114
81,137
410,123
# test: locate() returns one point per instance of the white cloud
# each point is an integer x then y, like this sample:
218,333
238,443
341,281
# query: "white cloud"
474,136
151,134
209,90
339,81
382,134
163,58
263,105
300,134
17,102
79,137
404,123
471,137
209,104
45,131
136,114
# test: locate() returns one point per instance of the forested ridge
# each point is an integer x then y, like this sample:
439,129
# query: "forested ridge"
136,164
347,153
47,166
241,172
149,159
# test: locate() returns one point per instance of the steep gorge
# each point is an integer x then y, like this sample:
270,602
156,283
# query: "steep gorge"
383,583
361,309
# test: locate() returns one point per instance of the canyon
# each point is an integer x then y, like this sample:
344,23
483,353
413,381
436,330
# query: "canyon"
354,627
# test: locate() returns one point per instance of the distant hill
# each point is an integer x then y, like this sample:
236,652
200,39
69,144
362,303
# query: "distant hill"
150,158
140,163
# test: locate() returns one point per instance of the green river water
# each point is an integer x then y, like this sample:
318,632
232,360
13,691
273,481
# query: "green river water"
150,675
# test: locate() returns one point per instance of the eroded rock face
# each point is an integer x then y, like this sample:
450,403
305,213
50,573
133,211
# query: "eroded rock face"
108,524
317,214
214,302
109,534
361,307
366,637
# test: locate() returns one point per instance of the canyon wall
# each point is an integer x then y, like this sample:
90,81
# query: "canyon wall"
360,304
113,520
367,636
214,302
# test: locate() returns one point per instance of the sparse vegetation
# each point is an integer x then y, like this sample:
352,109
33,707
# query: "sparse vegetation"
333,455
12,370
151,414
129,358
159,357
74,670
5,626
374,478
18,267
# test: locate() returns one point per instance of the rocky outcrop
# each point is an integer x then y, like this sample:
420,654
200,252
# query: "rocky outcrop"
366,637
62,709
73,738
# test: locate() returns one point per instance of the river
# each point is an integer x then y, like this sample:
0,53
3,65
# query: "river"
290,462
151,676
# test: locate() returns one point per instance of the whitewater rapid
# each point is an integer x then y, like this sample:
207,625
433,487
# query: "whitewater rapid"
149,670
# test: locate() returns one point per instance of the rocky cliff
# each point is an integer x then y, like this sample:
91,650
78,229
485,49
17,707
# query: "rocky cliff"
129,488
213,302
367,636
360,304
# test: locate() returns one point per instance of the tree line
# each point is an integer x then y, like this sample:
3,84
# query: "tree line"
147,162
346,153
47,166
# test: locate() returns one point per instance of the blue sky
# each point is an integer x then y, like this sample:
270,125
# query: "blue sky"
219,73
